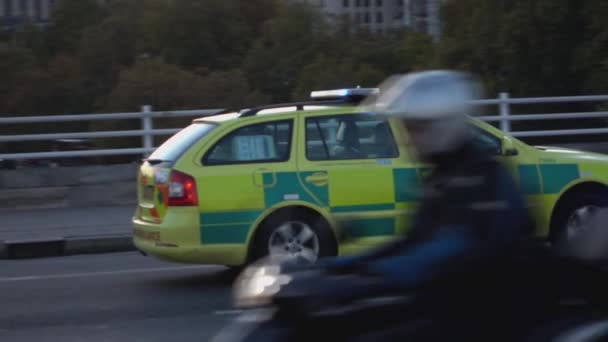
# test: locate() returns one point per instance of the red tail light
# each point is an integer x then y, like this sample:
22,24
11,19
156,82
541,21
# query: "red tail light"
182,190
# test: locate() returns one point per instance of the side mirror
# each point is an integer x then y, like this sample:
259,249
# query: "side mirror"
508,148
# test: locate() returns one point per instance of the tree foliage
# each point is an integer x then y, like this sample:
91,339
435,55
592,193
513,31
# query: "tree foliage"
231,53
288,41
165,87
528,47
70,19
121,54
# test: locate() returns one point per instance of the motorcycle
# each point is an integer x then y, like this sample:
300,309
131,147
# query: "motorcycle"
540,296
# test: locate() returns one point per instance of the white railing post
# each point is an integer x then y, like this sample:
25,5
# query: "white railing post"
147,126
505,124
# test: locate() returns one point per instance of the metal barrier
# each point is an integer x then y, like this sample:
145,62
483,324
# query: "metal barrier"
504,103
147,131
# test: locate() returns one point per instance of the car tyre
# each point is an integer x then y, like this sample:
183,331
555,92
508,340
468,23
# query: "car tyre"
572,217
294,233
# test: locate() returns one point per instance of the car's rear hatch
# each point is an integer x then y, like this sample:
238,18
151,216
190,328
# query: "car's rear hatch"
159,185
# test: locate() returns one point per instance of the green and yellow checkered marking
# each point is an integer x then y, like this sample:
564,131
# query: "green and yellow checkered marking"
546,178
234,226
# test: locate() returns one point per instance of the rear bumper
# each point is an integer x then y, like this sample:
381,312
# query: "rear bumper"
230,255
178,239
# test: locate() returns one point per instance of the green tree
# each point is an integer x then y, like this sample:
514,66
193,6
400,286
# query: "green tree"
168,87
70,18
104,51
256,13
289,41
593,55
151,26
331,73
527,47
17,67
193,34
35,39
148,82
398,52
531,48
228,89
66,87
153,82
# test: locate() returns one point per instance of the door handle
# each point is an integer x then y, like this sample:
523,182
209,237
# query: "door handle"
318,178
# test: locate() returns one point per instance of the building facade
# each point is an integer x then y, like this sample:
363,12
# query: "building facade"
383,15
375,15
424,16
16,12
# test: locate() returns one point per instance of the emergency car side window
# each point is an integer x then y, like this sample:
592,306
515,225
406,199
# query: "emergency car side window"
486,141
349,136
259,143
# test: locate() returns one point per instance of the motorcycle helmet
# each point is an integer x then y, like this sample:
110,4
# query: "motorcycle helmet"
433,107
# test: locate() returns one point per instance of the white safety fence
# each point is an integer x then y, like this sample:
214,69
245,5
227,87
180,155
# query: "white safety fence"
146,133
147,130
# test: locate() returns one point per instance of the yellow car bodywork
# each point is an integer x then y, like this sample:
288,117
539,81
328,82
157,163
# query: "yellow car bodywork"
375,197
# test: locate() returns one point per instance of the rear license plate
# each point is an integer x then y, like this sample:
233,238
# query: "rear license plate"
144,235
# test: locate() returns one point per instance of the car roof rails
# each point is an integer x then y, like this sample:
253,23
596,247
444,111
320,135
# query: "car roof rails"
299,106
335,97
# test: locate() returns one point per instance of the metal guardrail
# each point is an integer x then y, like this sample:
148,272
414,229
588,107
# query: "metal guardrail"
147,131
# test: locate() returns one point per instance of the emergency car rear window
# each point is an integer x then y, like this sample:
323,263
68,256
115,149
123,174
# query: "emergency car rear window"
267,142
175,146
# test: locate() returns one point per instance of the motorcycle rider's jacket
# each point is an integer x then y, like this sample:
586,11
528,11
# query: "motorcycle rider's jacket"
470,214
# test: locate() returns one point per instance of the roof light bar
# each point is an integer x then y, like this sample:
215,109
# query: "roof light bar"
343,93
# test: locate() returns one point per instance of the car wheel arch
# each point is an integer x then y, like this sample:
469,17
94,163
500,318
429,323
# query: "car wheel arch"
300,207
569,194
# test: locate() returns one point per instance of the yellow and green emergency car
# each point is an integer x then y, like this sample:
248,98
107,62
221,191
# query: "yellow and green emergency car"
285,179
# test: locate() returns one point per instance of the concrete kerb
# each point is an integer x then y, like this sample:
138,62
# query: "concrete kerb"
54,247
3,250
33,248
98,244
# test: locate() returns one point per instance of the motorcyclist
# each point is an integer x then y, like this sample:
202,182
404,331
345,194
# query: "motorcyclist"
470,227
471,214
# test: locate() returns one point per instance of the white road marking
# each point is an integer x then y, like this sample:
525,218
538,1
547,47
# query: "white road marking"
103,273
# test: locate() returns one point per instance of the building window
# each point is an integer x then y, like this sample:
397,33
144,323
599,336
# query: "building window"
399,3
8,8
345,3
321,3
357,3
366,3
357,17
367,17
38,10
378,3
379,17
23,5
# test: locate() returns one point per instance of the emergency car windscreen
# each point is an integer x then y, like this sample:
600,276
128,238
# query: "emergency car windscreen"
175,146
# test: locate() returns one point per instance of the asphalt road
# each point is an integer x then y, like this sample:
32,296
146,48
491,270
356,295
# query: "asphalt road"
111,297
